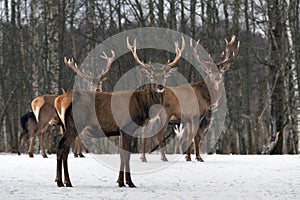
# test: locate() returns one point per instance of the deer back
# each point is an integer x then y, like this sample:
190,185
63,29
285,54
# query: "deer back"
45,104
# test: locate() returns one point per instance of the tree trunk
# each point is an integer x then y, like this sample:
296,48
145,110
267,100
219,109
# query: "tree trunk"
292,80
277,99
161,17
34,48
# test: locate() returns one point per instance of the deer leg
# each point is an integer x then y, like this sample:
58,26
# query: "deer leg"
143,156
62,152
63,149
31,139
188,154
127,140
59,154
197,140
27,141
189,142
78,143
160,136
41,141
48,143
65,164
120,180
75,150
32,136
20,142
161,146
86,150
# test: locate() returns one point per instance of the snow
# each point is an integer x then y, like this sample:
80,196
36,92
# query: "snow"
94,177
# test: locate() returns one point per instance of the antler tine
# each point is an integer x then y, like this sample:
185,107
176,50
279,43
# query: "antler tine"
178,52
132,48
230,54
109,62
205,64
73,66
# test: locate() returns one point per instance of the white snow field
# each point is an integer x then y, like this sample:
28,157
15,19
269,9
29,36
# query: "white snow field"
219,177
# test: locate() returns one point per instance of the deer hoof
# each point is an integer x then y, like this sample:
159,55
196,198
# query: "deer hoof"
45,156
143,159
121,184
81,155
60,184
48,152
199,159
75,155
164,159
188,158
19,153
131,185
68,184
30,155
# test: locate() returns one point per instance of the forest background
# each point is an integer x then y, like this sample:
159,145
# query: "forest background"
262,85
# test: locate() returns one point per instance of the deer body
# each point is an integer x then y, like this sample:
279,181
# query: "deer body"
45,114
118,113
139,105
187,111
29,125
208,94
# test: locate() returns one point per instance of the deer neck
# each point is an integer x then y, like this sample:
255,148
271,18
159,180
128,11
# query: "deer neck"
154,97
214,90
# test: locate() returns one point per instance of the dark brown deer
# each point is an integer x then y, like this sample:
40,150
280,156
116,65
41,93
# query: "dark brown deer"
120,123
207,97
44,110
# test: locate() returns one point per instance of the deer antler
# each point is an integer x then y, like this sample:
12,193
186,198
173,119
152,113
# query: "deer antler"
230,54
205,64
178,52
109,61
73,66
96,82
132,48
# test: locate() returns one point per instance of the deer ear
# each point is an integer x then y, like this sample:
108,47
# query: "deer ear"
171,71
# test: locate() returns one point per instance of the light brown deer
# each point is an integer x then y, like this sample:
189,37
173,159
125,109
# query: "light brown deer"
121,123
44,110
45,115
207,100
29,125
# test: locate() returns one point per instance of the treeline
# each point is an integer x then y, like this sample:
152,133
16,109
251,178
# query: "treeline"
261,87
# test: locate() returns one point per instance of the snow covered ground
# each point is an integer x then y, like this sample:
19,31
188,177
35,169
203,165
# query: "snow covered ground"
94,177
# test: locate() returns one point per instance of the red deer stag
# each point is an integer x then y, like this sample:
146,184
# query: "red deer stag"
213,80
120,123
207,97
45,113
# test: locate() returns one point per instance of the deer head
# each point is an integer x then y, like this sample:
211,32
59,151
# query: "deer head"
157,77
97,81
214,77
